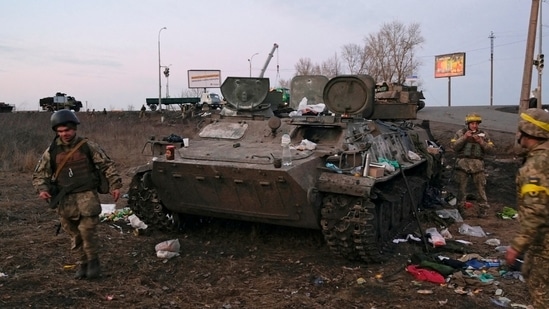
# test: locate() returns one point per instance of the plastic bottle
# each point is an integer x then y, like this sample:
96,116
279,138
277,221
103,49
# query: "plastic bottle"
286,152
366,168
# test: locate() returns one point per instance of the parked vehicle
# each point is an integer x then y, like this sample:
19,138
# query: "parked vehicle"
233,165
211,100
153,102
60,101
6,108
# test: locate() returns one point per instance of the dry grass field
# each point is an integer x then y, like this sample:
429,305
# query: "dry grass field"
223,264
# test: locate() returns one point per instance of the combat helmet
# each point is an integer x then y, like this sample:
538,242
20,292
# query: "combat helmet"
534,122
63,116
473,117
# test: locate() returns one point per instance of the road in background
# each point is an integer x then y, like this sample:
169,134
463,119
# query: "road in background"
500,118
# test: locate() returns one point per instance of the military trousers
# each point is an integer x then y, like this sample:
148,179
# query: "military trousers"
536,273
479,180
83,234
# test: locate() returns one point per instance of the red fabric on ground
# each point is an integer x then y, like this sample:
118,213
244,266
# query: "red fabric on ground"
425,274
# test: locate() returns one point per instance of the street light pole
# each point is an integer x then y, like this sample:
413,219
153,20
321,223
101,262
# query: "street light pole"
159,72
250,61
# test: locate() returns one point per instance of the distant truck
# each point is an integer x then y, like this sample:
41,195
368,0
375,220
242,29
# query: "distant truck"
210,100
60,101
6,108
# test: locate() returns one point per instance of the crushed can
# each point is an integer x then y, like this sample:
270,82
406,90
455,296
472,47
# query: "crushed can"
170,152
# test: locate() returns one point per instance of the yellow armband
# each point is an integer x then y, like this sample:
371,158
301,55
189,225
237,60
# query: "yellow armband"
533,189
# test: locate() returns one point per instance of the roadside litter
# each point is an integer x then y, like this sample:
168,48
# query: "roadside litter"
168,249
108,213
450,213
475,231
508,213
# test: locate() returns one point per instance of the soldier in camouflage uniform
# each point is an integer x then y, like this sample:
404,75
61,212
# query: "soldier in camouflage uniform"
470,145
533,205
78,207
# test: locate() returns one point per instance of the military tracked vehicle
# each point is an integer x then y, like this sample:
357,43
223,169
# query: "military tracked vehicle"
395,93
231,167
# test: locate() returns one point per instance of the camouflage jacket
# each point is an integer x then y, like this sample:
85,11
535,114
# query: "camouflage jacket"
533,202
469,154
88,201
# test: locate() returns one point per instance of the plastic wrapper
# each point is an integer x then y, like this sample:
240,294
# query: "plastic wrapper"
450,213
475,231
436,238
171,245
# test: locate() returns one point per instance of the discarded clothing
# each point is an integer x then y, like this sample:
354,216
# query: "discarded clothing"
425,274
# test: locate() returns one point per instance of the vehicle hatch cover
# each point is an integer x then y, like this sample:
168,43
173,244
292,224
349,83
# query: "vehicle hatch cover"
245,93
350,94
224,130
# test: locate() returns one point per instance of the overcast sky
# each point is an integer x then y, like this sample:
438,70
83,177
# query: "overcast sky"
105,53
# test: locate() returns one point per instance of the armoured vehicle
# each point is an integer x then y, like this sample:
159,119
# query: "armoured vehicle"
60,101
393,93
6,108
231,167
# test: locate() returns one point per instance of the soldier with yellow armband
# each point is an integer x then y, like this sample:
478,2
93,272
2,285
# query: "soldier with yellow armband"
470,145
533,205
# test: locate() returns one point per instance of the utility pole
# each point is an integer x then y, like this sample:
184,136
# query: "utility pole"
159,73
529,57
540,56
491,37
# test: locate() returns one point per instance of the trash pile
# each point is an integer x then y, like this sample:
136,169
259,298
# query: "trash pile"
110,214
469,273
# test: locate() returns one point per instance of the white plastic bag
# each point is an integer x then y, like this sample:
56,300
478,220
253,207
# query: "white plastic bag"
446,234
475,231
436,239
136,223
166,254
450,213
171,245
414,156
306,145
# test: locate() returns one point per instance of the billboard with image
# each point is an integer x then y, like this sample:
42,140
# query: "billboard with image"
450,65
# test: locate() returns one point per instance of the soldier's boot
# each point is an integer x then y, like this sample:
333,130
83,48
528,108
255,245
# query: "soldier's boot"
82,272
94,269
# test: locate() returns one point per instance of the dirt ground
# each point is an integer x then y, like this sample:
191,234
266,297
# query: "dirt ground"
226,264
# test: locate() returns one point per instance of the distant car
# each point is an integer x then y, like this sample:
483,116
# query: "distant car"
211,100
215,101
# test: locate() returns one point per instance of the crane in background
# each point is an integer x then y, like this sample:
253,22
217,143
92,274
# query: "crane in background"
269,57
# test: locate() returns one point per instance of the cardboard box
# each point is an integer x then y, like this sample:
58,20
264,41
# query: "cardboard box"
376,170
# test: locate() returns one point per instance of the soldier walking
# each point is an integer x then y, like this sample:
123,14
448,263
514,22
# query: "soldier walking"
65,176
533,205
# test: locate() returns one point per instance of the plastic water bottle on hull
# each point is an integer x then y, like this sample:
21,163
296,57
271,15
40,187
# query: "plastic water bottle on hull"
286,152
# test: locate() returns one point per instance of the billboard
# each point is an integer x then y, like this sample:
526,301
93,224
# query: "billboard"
204,78
450,65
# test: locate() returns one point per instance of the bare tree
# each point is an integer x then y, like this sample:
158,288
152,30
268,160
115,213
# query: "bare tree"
389,53
305,66
331,67
353,55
